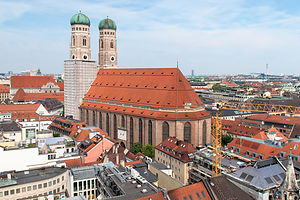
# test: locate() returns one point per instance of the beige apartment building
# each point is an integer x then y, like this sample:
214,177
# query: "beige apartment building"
32,184
175,154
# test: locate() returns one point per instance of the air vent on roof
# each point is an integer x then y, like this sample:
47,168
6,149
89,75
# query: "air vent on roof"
138,186
144,190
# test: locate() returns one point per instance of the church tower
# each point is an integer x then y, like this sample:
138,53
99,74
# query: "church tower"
107,44
80,71
80,37
289,187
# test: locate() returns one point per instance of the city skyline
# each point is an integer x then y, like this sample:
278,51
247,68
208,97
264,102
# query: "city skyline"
208,37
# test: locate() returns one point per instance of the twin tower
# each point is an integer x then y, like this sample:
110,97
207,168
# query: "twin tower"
80,41
79,70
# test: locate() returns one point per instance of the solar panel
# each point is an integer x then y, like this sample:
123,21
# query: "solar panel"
191,198
269,180
276,177
198,195
243,175
203,194
249,178
282,175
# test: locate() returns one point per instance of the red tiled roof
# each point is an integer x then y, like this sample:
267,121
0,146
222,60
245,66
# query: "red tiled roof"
4,88
73,130
151,87
76,162
275,119
155,196
244,130
30,81
147,113
176,148
190,190
263,135
247,145
19,108
22,96
61,86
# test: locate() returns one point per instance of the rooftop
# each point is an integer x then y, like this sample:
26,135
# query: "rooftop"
30,81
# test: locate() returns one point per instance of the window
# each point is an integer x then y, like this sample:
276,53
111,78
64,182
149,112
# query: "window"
150,132
57,180
107,123
28,188
185,198
101,43
94,118
40,186
34,187
75,186
187,132
198,195
141,131
73,41
131,132
203,194
87,116
111,44
204,132
62,178
49,183
54,182
5,193
84,42
45,185
115,127
165,128
100,120
261,156
123,121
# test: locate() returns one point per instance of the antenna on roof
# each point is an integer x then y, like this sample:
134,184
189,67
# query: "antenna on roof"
177,62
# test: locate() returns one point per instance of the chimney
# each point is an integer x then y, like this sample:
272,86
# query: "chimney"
122,163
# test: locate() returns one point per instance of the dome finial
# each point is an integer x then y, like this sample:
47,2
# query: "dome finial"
80,10
107,16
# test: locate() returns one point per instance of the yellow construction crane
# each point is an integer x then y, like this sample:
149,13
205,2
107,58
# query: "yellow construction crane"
239,106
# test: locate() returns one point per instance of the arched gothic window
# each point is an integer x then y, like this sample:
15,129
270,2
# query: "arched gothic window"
204,132
100,120
115,128
141,131
101,43
165,133
94,118
187,132
73,41
131,132
123,121
87,116
84,42
150,132
107,123
111,44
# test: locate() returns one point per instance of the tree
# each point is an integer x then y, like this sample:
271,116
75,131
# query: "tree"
136,147
217,87
148,150
226,139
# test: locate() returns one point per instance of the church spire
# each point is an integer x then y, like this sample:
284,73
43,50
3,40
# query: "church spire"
289,187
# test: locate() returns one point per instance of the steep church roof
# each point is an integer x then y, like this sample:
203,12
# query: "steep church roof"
290,183
137,91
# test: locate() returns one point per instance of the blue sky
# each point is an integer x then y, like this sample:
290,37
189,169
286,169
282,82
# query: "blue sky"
211,37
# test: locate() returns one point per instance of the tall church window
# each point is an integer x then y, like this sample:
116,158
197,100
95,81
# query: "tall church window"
101,43
87,116
165,133
94,118
141,131
111,44
150,132
123,121
115,128
187,132
73,41
131,132
100,120
84,42
204,132
107,123
82,115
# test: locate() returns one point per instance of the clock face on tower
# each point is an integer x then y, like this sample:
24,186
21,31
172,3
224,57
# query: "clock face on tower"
112,59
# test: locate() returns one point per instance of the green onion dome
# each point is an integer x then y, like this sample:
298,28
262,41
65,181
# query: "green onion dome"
107,24
80,19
